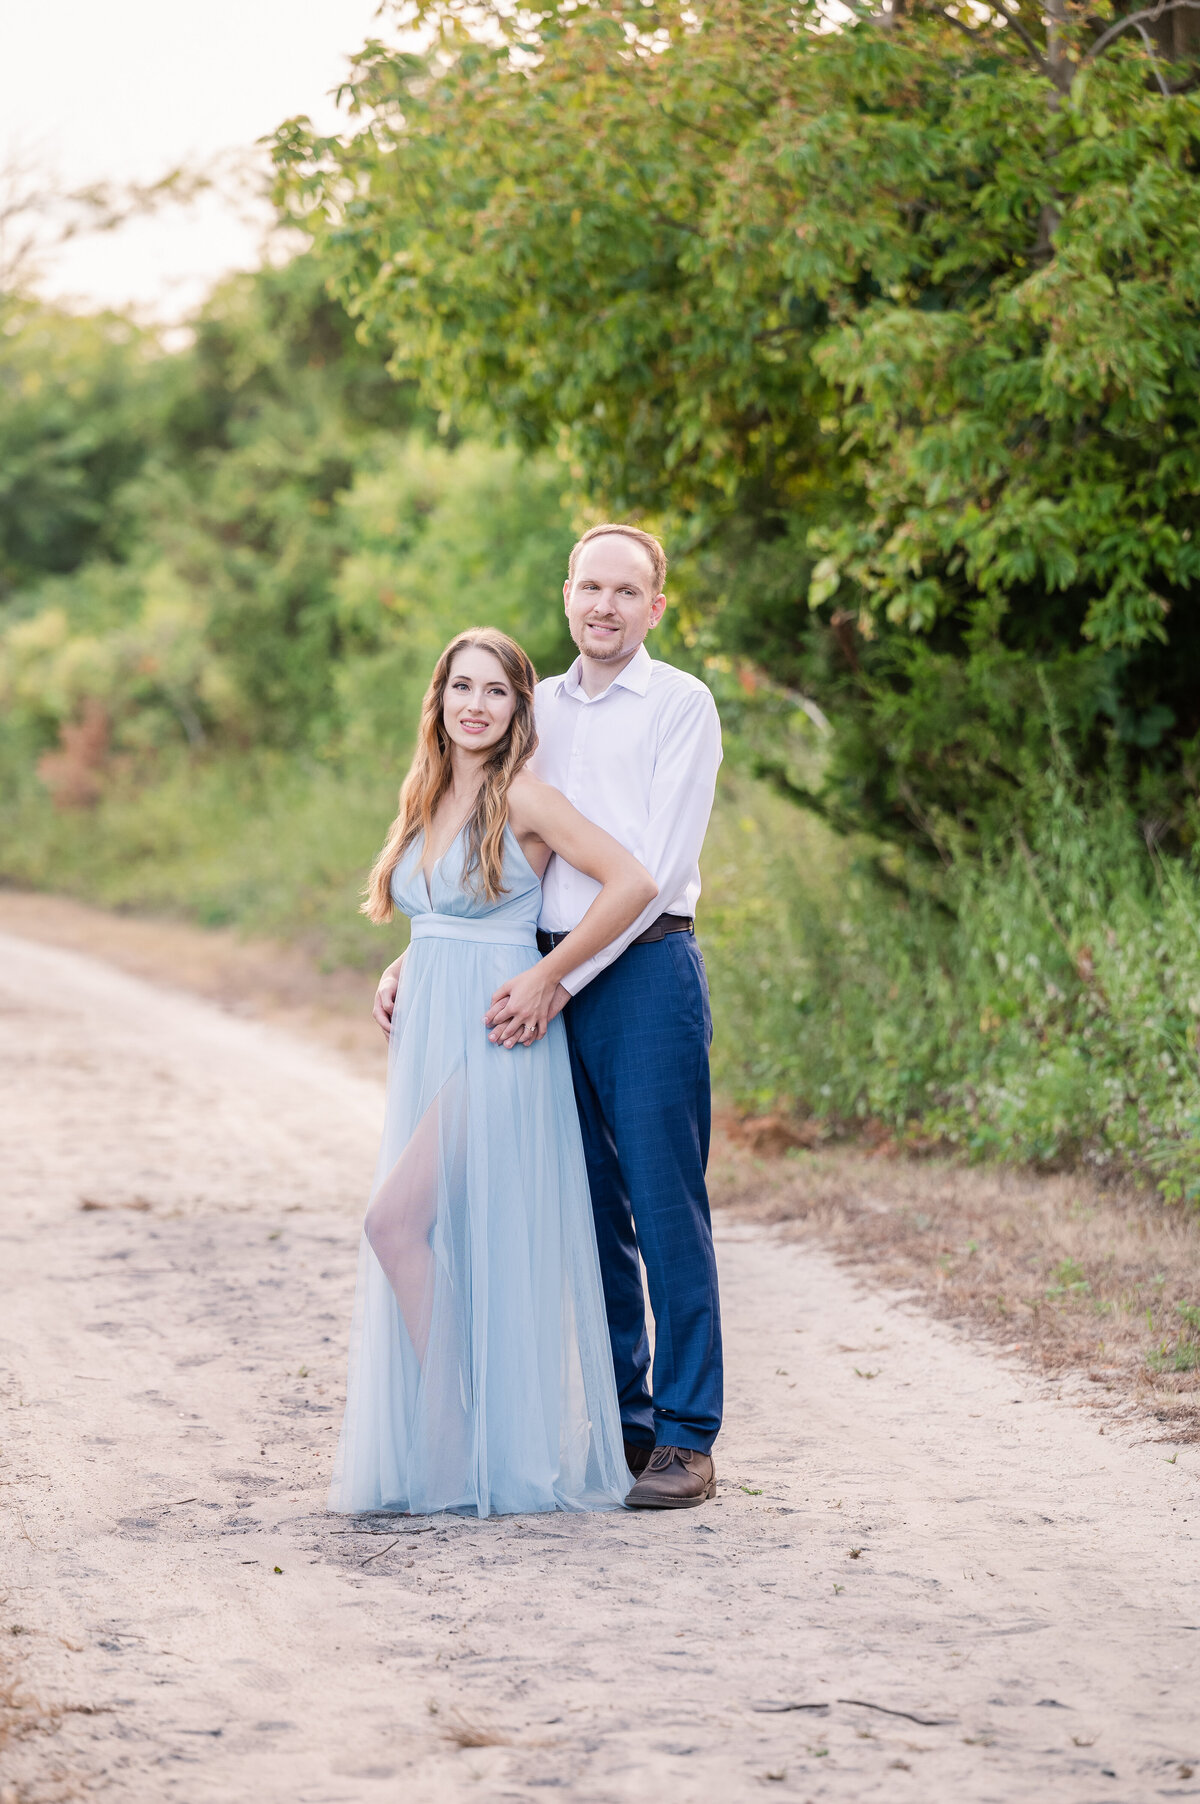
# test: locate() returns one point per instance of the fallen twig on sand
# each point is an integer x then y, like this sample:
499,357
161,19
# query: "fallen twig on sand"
926,1722
380,1553
379,1533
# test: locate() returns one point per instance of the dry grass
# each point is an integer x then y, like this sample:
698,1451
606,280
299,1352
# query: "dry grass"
462,1732
21,1713
23,1716
1074,1274
33,1774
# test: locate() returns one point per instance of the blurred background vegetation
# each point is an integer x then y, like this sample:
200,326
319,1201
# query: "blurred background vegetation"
891,330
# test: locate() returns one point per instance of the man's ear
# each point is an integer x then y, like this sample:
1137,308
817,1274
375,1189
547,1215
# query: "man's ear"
566,594
658,608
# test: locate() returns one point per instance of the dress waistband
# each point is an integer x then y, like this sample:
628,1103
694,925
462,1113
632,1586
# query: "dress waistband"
479,929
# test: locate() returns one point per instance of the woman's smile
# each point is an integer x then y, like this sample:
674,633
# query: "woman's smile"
479,700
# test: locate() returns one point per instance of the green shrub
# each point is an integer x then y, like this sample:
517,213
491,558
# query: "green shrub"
1043,1007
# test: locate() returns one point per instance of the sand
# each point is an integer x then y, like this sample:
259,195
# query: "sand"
904,1523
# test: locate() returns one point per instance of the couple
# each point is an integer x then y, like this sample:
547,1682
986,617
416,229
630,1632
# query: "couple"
499,1359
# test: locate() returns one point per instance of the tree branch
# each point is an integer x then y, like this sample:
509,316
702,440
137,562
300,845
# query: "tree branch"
1149,16
958,24
1014,24
1148,41
690,125
762,108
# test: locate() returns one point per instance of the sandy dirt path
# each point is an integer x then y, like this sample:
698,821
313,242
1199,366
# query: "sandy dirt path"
902,1520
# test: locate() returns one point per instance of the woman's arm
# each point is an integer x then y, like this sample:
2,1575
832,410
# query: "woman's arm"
541,816
385,995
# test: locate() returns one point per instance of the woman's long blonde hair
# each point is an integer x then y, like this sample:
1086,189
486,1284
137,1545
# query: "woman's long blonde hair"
429,775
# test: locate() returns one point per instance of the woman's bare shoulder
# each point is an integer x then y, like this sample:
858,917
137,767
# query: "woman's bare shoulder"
528,799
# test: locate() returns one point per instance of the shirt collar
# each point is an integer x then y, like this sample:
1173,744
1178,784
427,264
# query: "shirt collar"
635,676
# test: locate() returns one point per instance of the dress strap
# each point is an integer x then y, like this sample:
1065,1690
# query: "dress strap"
477,928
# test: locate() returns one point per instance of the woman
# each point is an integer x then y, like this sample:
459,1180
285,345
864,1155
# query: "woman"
481,1374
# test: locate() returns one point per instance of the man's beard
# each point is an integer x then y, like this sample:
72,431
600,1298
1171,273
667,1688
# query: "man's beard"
600,657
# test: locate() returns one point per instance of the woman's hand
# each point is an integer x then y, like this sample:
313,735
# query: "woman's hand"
385,995
522,1009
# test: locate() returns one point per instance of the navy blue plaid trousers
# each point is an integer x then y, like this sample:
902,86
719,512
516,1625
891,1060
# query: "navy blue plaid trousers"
639,1035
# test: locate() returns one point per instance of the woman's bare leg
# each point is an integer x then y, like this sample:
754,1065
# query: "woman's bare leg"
399,1223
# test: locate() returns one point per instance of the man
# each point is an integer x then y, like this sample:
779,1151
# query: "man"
635,745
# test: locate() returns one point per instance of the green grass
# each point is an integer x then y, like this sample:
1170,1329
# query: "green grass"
1184,1354
268,844
1041,1006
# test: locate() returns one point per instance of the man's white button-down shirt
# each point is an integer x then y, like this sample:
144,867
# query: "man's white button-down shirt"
640,760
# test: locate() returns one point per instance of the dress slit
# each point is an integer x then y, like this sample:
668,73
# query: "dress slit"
403,1211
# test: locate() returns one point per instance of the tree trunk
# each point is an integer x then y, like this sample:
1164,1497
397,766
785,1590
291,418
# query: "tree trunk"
1062,69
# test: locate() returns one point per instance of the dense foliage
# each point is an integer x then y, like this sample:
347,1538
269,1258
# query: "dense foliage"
74,400
239,544
1052,1017
895,326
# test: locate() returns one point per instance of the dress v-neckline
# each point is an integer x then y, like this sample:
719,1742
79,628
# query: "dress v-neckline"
427,877
509,835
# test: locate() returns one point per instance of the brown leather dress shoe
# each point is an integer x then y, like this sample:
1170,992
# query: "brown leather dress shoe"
637,1457
676,1478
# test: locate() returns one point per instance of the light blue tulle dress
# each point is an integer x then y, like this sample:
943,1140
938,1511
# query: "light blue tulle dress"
481,1376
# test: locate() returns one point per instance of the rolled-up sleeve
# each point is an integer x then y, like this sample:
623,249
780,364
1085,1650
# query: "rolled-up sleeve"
687,757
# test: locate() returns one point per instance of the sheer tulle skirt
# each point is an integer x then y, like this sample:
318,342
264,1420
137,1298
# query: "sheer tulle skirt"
480,1371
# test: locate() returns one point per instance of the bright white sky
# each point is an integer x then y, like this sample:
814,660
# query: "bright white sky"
121,90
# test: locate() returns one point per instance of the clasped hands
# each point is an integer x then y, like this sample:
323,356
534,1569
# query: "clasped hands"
519,1014
523,1008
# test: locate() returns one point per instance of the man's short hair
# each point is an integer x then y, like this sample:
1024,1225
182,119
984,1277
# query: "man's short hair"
649,544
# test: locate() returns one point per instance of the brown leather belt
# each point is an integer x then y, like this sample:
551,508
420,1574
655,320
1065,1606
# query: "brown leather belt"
657,930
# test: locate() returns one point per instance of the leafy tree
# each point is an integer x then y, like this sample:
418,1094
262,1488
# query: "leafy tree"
285,549
271,339
893,325
81,398
169,522
78,401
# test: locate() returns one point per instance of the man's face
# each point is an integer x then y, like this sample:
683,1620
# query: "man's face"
611,604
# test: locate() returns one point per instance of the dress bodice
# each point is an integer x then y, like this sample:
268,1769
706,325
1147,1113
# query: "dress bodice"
449,896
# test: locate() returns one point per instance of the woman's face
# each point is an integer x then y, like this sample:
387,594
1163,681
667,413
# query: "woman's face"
479,701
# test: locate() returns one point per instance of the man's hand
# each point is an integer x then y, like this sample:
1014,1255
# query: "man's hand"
523,1009
385,995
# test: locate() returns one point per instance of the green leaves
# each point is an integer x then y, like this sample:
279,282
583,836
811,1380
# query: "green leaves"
824,581
78,398
891,326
